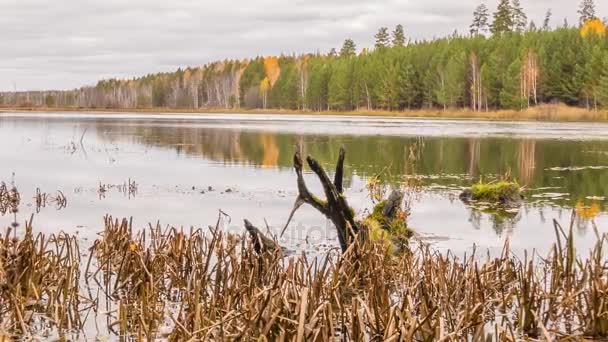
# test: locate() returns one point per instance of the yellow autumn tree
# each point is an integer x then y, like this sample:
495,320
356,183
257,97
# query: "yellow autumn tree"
593,27
272,69
264,88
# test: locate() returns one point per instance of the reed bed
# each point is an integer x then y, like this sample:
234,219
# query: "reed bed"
39,283
204,284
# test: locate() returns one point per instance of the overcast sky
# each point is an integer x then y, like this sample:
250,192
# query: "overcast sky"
68,43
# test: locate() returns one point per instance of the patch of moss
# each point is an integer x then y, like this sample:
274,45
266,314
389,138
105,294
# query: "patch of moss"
379,228
503,193
376,214
374,230
318,200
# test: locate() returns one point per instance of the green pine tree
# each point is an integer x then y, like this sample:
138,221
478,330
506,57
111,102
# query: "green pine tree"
480,23
586,11
399,36
602,89
519,19
409,92
349,49
510,96
547,21
382,38
388,95
503,18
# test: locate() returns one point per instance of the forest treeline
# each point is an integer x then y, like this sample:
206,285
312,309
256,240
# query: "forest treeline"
504,62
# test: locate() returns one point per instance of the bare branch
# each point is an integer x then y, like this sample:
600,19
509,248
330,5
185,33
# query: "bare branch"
338,178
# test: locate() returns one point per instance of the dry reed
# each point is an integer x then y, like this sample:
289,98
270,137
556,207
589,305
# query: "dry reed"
206,284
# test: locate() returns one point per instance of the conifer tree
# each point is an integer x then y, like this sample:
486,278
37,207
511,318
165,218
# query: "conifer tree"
399,36
510,95
503,18
519,20
480,20
602,91
349,49
547,22
382,38
586,11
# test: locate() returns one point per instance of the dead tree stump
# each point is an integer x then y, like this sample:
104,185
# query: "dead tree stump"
335,207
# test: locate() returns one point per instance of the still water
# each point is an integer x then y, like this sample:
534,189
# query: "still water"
189,167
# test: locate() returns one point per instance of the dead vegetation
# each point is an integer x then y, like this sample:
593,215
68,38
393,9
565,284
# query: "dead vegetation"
43,199
204,284
9,199
39,282
128,188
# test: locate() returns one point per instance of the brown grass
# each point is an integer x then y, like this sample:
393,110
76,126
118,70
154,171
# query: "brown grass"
545,112
206,285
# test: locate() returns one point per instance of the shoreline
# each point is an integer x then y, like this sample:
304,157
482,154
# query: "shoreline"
546,113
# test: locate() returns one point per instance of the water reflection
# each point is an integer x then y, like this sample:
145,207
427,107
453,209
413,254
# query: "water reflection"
534,163
175,161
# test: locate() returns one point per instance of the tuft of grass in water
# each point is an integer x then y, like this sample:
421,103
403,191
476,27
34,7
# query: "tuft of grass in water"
501,192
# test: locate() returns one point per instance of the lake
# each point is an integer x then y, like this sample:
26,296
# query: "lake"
184,169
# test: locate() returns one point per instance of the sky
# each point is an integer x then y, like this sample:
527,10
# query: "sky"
64,44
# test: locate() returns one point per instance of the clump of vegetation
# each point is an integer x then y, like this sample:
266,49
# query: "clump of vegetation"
40,282
391,229
501,193
9,199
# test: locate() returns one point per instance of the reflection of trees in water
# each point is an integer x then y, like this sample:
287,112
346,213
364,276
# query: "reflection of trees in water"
271,150
475,217
502,221
474,154
527,160
368,155
585,215
505,222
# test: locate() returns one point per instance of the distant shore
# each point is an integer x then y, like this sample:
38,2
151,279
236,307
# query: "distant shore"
538,113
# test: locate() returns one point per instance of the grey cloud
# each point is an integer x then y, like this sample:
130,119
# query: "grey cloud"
69,43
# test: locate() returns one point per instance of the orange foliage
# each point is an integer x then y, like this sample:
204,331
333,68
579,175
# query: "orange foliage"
273,71
593,27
